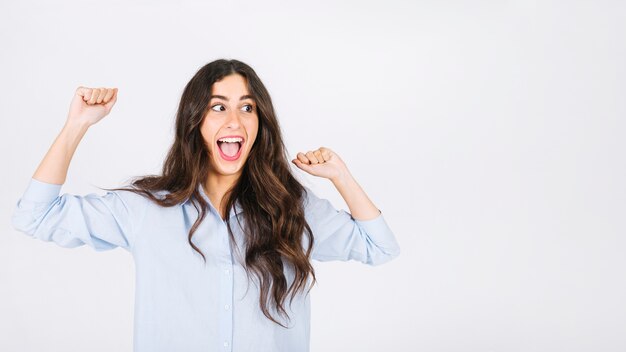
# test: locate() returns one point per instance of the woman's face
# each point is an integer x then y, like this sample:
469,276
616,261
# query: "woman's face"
230,126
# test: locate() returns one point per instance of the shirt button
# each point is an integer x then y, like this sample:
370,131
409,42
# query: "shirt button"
227,272
225,343
227,307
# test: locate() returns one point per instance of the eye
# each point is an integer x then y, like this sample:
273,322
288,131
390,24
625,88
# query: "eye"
248,108
218,107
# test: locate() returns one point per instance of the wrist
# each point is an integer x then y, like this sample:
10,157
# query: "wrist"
74,127
343,179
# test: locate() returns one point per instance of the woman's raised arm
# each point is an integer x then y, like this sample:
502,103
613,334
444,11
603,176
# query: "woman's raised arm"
88,106
100,221
362,234
325,163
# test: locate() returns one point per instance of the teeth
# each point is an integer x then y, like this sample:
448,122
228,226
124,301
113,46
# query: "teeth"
231,139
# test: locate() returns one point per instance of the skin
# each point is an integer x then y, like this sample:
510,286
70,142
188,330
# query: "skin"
325,163
90,105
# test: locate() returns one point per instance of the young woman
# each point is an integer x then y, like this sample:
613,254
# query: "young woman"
222,239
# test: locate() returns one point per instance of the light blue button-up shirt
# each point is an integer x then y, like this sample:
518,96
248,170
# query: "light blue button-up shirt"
181,303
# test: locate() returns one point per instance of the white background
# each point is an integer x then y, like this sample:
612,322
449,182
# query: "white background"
490,133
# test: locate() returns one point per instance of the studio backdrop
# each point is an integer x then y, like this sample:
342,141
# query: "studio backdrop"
491,134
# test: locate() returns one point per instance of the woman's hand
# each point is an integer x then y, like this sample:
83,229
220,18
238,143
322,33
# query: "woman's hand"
326,163
90,105
322,162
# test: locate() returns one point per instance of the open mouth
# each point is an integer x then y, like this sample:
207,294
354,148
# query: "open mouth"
230,147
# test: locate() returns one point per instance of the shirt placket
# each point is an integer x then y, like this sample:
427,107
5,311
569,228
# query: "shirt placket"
226,294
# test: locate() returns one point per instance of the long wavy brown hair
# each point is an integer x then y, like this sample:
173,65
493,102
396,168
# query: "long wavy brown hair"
268,193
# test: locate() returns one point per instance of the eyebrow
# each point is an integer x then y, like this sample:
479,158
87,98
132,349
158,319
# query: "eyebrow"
243,97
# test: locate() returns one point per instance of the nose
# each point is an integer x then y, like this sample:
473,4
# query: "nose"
233,120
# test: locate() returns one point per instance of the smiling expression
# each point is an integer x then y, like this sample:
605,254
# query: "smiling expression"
230,126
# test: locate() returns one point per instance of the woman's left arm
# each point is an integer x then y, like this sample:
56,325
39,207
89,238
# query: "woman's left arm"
323,162
362,235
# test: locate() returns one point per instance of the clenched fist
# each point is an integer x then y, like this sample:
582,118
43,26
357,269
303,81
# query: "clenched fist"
322,162
90,105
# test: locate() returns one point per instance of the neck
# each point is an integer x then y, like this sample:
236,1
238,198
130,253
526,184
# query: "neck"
216,186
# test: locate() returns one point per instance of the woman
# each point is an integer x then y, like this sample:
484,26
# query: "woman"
222,239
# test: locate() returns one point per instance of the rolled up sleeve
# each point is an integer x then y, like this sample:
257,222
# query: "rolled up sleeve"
338,236
102,222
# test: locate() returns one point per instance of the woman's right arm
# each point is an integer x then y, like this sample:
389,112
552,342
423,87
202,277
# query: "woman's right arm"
102,222
87,108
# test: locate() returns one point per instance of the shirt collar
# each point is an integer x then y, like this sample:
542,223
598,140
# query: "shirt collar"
238,209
